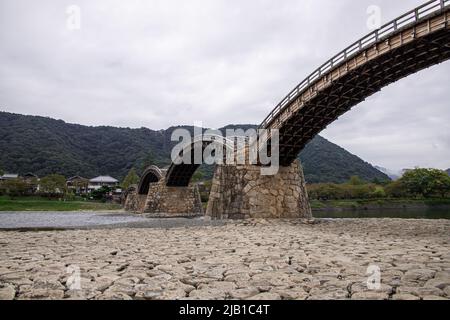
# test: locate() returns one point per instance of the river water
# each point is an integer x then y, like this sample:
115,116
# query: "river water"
87,220
75,220
429,213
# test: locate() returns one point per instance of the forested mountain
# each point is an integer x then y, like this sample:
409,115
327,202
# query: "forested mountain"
42,146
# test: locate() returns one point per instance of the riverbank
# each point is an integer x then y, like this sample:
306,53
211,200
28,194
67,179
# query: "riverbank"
43,204
379,204
255,259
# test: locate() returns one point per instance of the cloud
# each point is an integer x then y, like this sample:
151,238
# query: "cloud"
167,62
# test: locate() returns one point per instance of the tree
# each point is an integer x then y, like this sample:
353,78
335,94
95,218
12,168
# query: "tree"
1,172
381,182
130,179
14,187
426,182
355,181
102,193
396,189
53,184
198,176
378,192
147,161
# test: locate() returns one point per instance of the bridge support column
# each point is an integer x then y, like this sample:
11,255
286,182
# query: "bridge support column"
166,202
135,202
240,191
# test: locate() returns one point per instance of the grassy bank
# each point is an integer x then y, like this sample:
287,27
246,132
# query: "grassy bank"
42,204
368,204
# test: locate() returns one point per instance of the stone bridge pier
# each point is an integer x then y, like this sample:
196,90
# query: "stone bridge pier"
240,191
237,192
155,199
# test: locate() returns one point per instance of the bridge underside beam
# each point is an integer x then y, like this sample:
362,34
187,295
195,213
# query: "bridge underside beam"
354,87
180,175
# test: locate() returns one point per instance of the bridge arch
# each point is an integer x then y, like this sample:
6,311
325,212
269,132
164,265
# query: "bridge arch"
179,173
151,175
415,41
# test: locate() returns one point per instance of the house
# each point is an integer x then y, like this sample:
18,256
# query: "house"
30,177
32,181
78,184
9,176
102,181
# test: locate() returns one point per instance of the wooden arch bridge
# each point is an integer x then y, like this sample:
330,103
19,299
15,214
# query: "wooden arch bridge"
412,42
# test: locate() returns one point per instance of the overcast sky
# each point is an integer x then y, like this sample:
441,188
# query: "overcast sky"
161,63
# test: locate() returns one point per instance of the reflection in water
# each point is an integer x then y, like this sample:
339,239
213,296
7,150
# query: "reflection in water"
431,213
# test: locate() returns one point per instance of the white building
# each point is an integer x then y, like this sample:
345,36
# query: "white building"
9,176
102,181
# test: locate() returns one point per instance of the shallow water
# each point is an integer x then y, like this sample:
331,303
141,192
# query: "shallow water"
62,219
75,220
432,213
38,221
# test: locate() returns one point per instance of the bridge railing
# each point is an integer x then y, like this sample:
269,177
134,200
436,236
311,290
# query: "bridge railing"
409,18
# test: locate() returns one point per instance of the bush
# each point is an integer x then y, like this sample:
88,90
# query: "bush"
378,192
101,194
332,191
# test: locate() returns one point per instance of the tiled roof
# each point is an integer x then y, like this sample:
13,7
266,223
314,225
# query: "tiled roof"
10,176
104,179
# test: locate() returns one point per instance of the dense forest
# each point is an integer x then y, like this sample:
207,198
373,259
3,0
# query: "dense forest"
44,146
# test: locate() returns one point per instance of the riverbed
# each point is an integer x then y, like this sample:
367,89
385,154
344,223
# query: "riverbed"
251,259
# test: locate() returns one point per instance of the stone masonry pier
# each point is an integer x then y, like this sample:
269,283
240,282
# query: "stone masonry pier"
237,192
240,191
162,201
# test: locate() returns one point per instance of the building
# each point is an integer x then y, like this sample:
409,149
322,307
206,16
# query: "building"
78,184
9,176
32,181
30,177
102,181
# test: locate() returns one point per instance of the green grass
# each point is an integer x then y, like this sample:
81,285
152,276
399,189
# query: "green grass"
42,204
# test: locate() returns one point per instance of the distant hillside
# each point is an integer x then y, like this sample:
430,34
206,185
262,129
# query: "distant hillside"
391,174
43,146
324,161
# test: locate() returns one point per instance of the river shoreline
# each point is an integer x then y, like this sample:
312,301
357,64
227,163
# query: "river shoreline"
359,205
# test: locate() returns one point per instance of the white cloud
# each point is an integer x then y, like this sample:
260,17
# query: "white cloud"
162,63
